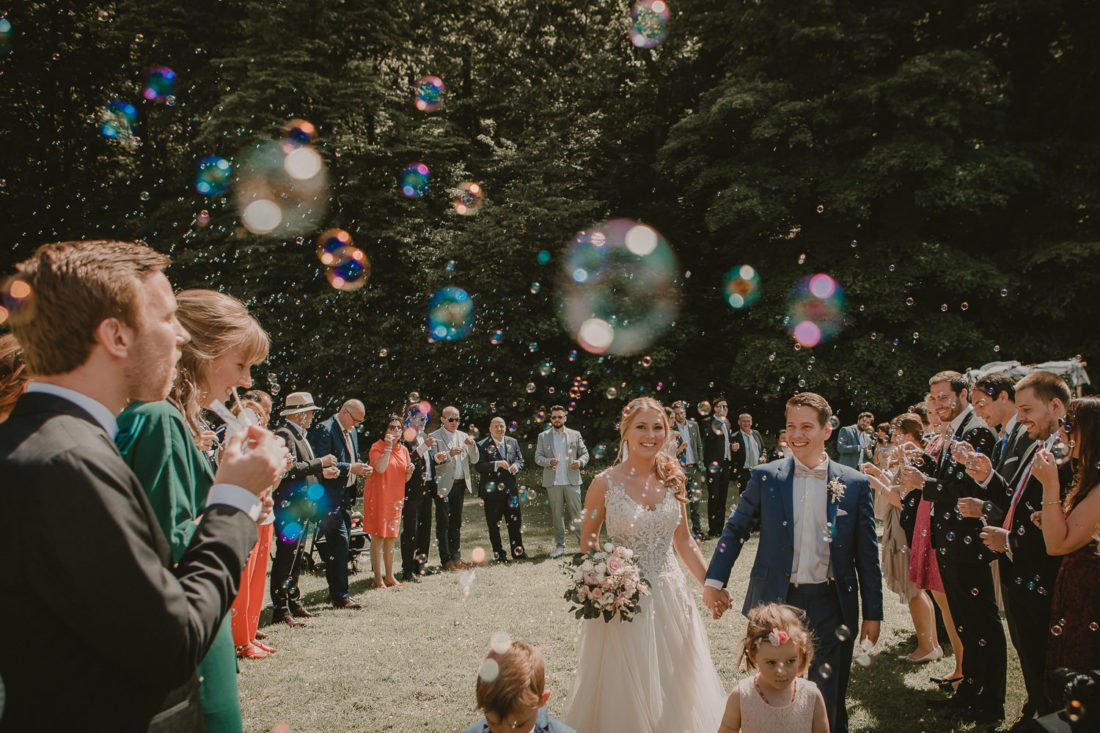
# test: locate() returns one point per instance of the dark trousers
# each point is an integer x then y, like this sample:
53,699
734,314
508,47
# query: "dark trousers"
822,607
741,480
1028,615
448,523
285,568
336,526
970,596
718,484
503,503
416,524
694,488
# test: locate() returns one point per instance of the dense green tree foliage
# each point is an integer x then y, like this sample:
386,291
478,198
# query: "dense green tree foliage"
937,159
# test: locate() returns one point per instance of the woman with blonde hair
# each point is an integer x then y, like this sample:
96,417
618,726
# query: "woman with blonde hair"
655,672
13,374
164,443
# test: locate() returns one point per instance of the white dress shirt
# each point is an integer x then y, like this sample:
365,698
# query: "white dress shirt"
752,452
561,452
685,435
810,563
228,494
460,463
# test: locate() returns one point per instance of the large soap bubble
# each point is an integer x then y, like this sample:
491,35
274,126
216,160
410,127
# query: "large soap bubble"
450,314
618,287
815,310
281,189
649,23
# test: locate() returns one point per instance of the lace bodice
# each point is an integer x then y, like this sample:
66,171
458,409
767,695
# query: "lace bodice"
648,533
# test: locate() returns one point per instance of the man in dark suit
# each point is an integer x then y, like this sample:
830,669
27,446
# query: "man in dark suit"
818,548
337,436
99,331
1027,572
420,490
963,559
994,401
746,451
296,507
716,455
499,460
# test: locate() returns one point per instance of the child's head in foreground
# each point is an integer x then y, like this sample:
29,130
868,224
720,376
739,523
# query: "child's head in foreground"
778,643
511,699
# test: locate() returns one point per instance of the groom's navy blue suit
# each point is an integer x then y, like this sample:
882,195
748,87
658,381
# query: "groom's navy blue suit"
854,567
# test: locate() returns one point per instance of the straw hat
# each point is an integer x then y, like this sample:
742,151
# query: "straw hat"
298,402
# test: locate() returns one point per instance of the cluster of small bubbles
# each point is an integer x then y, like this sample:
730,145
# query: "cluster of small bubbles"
619,287
160,84
742,286
535,288
599,451
415,180
815,310
649,23
468,198
213,175
118,121
281,188
429,93
450,314
496,337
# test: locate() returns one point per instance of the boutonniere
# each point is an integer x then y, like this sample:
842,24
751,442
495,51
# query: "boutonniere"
836,490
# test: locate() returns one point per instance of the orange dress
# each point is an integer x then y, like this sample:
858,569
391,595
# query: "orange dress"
384,493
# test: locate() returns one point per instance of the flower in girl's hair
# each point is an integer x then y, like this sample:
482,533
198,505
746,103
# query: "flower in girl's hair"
778,637
605,583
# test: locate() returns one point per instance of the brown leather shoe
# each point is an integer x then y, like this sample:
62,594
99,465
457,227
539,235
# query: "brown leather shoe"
251,651
260,635
283,616
297,610
451,566
346,603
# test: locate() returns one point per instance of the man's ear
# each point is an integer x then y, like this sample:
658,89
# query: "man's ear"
115,337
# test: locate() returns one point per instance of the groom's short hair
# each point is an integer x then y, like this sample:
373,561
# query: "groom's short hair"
815,402
71,288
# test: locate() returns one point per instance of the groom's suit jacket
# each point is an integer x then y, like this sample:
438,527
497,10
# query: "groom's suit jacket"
853,552
101,630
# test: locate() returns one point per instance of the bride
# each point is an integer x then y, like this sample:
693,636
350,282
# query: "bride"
653,673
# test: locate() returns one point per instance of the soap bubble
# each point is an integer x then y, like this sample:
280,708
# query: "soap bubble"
415,180
213,175
429,93
450,314
545,368
297,133
118,120
500,642
5,35
331,245
350,271
649,23
834,422
496,337
468,198
276,198
843,633
612,393
478,556
599,451
160,84
742,286
618,287
489,671
815,310
703,408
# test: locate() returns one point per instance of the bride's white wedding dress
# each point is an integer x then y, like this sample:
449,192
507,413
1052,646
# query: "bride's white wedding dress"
652,674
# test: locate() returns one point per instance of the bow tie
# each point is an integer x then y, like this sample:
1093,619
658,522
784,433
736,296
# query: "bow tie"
801,471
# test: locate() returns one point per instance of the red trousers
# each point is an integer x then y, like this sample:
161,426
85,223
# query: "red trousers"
245,612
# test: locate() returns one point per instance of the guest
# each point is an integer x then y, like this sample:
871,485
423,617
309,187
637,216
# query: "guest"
261,402
13,374
159,441
994,400
416,514
1024,564
515,699
499,460
830,576
383,498
716,456
780,648
88,538
747,451
336,436
454,453
691,458
1070,531
896,542
562,454
297,507
884,453
854,443
963,560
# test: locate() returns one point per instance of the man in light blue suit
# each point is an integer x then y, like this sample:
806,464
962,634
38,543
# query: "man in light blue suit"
818,549
855,443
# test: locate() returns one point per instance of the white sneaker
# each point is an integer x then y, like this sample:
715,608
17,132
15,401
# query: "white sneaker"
557,552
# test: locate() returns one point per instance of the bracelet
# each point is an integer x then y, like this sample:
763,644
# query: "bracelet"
1052,502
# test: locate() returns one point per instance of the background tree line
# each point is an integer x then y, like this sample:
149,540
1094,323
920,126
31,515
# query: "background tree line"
938,159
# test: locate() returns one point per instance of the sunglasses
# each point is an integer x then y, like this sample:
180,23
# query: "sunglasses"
450,419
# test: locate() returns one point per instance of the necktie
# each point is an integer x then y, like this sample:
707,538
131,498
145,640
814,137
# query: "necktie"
822,472
1020,487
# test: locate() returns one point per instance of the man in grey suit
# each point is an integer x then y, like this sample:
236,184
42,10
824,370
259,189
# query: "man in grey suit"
562,454
690,453
747,451
455,454
855,443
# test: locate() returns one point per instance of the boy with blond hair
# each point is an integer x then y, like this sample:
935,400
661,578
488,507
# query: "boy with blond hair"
511,689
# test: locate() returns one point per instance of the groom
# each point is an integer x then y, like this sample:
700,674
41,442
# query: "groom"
817,544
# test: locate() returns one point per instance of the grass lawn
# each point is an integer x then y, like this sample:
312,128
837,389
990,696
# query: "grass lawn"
408,661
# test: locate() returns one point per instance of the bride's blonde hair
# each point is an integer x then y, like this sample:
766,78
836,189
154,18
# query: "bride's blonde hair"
668,468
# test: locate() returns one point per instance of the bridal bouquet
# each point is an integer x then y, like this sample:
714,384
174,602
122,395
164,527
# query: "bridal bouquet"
605,584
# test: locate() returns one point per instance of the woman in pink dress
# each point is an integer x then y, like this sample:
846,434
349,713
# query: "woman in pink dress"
383,497
924,571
